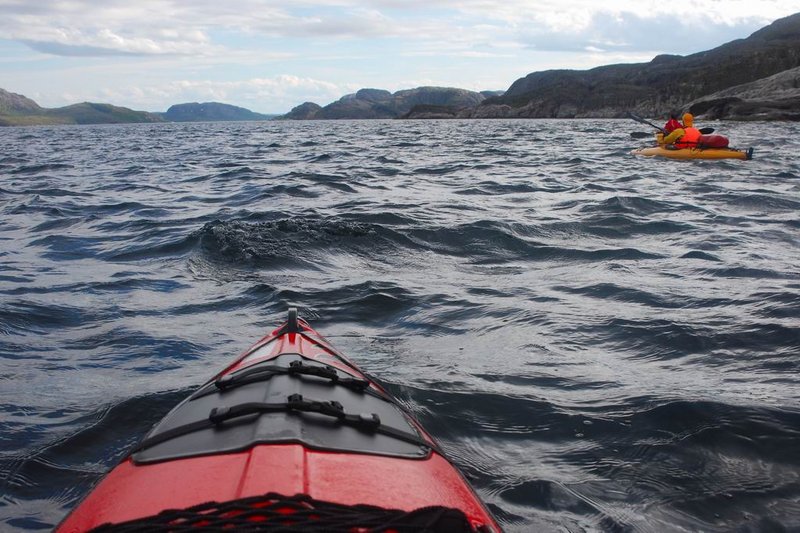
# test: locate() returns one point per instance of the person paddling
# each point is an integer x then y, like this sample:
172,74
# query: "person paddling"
672,123
686,136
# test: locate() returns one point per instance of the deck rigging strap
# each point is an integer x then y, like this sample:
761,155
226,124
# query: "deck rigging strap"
368,422
265,372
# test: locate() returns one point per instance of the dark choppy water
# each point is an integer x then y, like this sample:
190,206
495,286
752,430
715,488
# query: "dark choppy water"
601,342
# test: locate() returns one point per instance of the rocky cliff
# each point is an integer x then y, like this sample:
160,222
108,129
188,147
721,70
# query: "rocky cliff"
665,83
776,97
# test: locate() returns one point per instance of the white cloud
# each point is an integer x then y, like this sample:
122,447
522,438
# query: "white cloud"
183,27
268,95
270,55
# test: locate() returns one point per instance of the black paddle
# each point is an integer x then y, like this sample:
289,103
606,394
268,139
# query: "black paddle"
637,118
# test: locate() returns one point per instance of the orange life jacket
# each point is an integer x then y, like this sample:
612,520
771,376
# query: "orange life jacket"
689,138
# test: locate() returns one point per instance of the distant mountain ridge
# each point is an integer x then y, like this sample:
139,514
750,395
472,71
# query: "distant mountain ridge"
18,110
744,79
380,103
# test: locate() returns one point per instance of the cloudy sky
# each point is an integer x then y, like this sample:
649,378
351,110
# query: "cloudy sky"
269,55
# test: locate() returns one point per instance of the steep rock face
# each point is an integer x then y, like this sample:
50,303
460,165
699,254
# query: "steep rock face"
16,104
210,111
776,97
381,104
667,82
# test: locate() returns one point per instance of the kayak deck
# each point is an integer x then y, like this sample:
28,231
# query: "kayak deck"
291,416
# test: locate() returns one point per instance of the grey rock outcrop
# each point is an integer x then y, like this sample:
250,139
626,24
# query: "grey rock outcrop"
776,97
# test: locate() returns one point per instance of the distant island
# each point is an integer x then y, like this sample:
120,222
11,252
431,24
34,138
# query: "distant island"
210,112
18,110
757,78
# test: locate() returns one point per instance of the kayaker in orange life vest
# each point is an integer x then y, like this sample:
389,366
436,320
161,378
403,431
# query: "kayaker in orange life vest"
684,137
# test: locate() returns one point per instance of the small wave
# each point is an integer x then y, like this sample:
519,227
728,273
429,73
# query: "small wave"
298,191
636,205
132,350
388,160
58,192
59,223
763,202
36,169
328,156
441,170
281,241
372,302
748,272
777,304
12,160
167,247
618,226
30,317
133,170
237,172
494,242
611,291
652,339
696,254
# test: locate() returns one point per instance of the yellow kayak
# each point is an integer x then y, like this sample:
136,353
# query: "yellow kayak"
694,153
